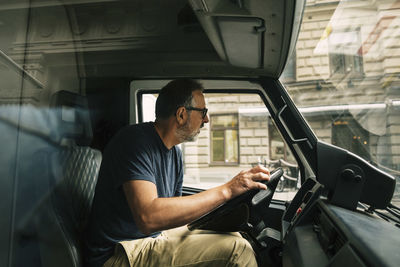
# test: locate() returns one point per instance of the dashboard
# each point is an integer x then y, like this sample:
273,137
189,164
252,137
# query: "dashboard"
320,234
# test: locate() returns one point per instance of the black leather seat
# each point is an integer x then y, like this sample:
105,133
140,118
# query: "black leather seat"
70,173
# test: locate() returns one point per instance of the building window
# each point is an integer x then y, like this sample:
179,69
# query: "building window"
345,54
224,139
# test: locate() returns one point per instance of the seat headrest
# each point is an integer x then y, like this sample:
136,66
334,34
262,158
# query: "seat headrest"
73,115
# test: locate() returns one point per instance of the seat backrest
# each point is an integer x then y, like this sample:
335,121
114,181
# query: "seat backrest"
71,172
80,167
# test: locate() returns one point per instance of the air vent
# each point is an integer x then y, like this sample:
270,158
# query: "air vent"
330,239
338,243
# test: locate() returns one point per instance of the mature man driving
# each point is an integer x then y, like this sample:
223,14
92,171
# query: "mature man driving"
138,193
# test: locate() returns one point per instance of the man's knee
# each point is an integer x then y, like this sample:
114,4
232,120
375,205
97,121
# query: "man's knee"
238,251
119,259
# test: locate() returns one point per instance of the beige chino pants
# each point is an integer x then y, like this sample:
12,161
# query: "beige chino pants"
181,247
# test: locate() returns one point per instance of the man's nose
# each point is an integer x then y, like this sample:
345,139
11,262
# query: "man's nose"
206,119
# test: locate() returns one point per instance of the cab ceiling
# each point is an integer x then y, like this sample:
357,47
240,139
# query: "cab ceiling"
153,38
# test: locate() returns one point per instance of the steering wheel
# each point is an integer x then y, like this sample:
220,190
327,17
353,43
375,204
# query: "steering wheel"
232,214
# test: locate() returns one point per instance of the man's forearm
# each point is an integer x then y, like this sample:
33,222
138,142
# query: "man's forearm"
156,214
166,213
153,214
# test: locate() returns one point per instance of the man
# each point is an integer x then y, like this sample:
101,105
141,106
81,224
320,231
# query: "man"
138,193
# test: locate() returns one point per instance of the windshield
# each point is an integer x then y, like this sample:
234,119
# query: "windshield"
345,75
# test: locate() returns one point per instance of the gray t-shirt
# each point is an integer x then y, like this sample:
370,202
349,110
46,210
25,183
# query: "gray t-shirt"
135,153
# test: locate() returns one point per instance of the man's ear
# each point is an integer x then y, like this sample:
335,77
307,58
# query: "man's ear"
181,115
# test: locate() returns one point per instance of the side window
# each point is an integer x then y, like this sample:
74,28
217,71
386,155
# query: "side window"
239,135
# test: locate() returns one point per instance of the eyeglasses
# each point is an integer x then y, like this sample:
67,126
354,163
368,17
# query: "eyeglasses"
202,110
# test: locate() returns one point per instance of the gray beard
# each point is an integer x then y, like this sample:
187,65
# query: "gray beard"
184,135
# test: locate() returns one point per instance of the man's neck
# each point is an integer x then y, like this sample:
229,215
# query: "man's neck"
166,131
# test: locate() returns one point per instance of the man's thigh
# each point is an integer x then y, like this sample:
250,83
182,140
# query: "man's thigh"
181,247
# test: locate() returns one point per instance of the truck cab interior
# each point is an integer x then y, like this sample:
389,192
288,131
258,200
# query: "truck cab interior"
307,88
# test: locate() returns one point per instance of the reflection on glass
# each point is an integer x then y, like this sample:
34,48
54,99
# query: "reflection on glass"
348,75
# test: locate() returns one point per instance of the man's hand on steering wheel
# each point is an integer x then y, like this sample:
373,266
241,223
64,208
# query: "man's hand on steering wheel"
245,195
247,180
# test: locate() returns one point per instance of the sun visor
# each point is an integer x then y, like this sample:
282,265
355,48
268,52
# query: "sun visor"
242,39
253,34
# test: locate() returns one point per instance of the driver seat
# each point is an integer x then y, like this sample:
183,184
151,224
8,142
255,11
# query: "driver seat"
72,172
